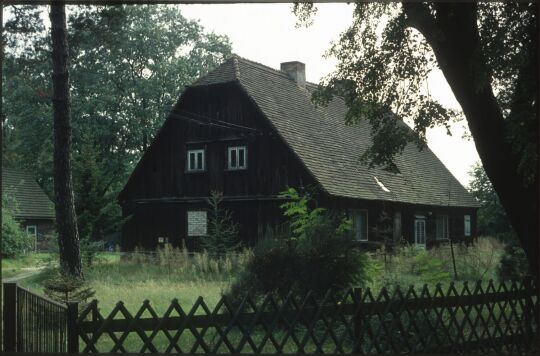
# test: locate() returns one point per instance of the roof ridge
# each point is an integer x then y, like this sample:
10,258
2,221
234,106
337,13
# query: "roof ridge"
268,68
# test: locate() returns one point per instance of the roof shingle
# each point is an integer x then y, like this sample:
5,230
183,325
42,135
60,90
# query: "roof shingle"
31,201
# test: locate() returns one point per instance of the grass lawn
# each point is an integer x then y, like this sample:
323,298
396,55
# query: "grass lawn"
15,266
132,281
177,275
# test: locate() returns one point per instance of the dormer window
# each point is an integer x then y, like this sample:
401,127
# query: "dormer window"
237,157
195,160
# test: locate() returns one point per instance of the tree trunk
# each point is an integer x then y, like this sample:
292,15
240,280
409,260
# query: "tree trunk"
66,220
454,38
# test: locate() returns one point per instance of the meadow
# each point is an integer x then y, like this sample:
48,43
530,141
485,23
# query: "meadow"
175,273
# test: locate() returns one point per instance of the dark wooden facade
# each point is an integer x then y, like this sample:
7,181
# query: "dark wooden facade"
160,192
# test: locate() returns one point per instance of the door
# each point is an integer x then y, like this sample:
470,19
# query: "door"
420,232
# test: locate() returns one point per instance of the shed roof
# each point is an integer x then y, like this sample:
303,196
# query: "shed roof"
330,149
31,201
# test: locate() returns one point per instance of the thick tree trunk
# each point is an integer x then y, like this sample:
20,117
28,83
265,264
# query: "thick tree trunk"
455,40
66,220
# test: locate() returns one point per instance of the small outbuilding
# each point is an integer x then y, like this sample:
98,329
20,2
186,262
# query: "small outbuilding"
32,207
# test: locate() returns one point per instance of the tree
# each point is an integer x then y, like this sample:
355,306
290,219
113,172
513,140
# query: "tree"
66,220
222,233
122,89
488,53
492,219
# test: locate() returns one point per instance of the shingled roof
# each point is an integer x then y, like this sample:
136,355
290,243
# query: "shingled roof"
330,149
31,200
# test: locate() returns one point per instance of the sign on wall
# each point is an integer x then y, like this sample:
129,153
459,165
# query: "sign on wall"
196,222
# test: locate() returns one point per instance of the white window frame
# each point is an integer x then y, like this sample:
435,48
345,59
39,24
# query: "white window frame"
235,150
360,211
28,227
196,160
445,227
467,225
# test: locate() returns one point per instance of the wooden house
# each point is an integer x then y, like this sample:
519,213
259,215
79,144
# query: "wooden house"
249,131
32,207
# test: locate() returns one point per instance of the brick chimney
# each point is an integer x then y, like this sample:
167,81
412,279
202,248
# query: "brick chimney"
296,71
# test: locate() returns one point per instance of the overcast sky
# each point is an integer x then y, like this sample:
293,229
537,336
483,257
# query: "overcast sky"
266,33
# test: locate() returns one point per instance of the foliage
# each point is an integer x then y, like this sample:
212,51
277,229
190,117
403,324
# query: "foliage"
407,265
121,90
321,256
384,62
410,264
514,264
222,234
64,288
15,241
301,215
90,250
492,218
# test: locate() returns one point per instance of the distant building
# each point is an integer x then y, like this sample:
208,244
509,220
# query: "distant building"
250,131
33,209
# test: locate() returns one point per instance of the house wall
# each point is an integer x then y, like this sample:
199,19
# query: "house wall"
159,193
376,224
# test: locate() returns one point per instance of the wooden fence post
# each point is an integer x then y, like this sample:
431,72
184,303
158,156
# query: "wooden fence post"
10,317
72,327
358,321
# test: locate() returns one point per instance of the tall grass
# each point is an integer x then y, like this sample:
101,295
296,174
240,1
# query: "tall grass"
409,265
158,276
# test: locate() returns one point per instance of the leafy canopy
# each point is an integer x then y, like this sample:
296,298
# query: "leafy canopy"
128,65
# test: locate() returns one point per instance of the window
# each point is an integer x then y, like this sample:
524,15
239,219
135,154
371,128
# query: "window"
442,227
31,230
237,157
196,223
467,225
195,160
360,224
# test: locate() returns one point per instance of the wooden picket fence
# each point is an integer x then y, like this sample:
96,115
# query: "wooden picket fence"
480,318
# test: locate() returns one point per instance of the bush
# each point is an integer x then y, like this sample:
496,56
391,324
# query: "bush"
514,264
90,250
320,255
64,288
14,240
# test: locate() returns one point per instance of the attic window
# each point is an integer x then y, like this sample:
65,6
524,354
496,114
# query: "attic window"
195,160
237,157
381,185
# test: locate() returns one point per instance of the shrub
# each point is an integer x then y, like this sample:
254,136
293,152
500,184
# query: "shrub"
514,264
14,240
222,233
64,288
90,250
320,255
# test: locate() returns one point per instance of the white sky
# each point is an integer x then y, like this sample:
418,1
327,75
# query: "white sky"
266,33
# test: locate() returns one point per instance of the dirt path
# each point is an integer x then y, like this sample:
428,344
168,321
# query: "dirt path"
21,276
